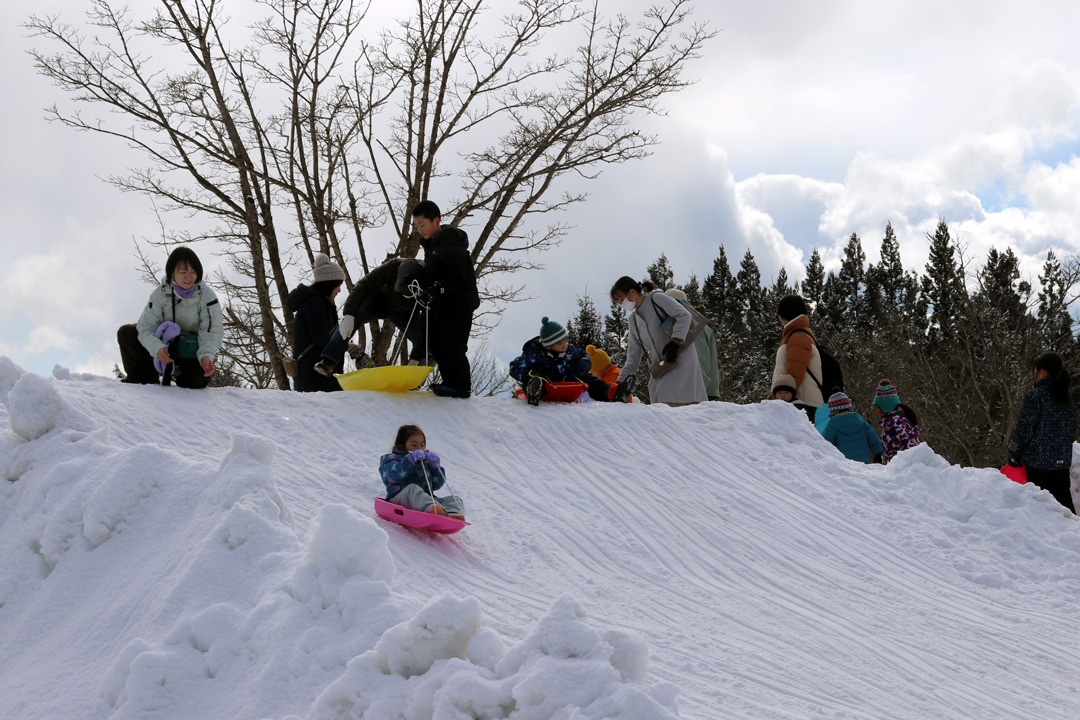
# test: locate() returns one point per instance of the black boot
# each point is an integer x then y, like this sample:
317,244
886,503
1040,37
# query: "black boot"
533,390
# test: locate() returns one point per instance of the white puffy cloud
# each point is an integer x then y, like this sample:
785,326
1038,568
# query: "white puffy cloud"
808,121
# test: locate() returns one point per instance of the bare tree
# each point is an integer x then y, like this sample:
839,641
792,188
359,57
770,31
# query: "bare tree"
490,376
291,137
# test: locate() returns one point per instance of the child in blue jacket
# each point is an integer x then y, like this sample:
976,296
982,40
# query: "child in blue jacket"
550,358
851,435
406,471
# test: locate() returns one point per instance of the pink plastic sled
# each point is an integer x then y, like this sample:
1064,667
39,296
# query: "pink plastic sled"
557,392
416,519
1016,474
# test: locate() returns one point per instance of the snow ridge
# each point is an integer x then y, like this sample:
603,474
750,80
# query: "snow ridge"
176,554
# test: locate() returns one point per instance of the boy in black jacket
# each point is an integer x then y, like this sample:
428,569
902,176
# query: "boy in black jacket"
451,295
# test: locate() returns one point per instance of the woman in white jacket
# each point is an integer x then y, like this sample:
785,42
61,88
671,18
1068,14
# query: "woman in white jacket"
179,332
646,315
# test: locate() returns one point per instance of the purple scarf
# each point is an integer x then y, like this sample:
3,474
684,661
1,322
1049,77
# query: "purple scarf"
185,294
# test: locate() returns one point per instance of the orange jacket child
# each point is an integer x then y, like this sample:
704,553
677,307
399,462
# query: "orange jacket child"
602,366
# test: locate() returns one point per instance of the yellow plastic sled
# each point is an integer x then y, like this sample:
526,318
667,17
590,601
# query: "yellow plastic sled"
390,378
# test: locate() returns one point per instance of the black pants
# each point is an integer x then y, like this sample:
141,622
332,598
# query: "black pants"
139,364
1057,482
450,330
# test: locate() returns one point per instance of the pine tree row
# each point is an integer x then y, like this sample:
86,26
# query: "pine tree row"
957,342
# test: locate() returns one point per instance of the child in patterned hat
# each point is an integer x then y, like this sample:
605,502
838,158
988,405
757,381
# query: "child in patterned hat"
851,435
900,425
550,358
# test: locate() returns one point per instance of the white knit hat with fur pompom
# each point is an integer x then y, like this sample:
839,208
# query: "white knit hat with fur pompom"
326,269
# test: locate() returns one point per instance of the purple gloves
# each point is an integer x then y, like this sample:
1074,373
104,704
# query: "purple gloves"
418,455
166,333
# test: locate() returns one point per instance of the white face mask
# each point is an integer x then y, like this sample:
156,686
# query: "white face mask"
628,305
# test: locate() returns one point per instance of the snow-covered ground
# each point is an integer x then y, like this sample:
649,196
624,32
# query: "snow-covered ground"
209,554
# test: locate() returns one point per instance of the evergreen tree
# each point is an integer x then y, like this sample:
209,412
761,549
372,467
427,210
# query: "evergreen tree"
719,293
760,331
751,294
1055,323
852,279
661,274
830,316
998,287
615,332
693,292
586,328
814,283
891,293
943,284
780,286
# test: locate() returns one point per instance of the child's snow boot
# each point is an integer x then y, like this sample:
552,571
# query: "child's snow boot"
325,367
436,509
533,390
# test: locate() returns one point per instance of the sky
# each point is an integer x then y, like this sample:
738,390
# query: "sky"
807,122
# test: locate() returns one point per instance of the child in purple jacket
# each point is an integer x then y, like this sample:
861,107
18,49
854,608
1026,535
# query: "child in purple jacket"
900,425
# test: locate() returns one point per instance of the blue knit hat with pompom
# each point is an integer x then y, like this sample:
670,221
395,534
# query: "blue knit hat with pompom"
551,333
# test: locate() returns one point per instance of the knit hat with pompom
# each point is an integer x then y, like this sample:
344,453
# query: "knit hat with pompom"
601,361
551,333
839,403
885,397
326,269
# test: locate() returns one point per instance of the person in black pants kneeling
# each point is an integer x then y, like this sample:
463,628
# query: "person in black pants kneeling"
451,296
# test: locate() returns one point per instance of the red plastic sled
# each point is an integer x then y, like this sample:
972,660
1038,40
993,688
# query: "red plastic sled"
416,519
1016,474
557,392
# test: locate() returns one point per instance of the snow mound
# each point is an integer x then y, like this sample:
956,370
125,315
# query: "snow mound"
9,374
346,565
444,664
213,554
35,408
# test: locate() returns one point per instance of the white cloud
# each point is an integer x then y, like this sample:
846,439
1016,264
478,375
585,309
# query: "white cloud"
809,121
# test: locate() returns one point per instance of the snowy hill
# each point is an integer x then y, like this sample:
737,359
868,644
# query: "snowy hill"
212,554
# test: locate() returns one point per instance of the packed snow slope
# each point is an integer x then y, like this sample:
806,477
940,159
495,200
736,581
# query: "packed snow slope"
177,554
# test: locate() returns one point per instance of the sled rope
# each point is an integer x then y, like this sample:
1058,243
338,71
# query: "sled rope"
401,339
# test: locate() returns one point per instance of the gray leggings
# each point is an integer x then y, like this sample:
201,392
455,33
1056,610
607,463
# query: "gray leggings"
415,497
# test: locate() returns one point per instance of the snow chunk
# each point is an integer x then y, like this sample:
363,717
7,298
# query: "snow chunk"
922,454
62,373
112,688
347,564
440,631
36,408
563,669
485,649
9,374
248,479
